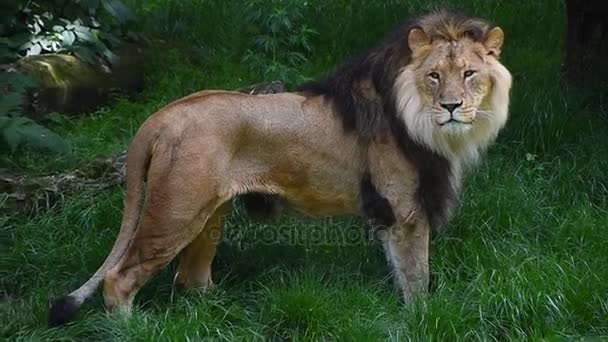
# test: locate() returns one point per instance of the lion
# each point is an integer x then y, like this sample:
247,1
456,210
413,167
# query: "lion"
388,136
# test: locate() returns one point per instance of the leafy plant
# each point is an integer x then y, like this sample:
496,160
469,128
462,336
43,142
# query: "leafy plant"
17,130
282,39
72,26
36,27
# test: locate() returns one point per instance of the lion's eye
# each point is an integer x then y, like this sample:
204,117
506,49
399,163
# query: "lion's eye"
469,73
434,76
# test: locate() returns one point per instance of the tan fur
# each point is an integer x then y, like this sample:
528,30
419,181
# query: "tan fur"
199,152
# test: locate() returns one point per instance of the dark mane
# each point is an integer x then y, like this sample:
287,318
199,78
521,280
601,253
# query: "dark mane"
361,91
378,67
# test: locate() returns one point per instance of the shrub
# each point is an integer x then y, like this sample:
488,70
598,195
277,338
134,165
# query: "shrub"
281,39
52,26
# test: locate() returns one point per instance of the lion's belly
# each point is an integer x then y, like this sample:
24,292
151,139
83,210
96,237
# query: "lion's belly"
314,187
322,208
317,202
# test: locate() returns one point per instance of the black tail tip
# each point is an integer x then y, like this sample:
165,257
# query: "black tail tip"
63,310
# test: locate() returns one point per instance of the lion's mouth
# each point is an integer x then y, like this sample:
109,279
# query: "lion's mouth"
455,121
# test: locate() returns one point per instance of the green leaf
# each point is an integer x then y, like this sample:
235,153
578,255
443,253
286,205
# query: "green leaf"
35,28
7,55
34,50
10,133
17,81
111,57
46,43
83,33
68,38
89,5
110,38
58,118
4,121
18,39
21,130
118,10
10,103
85,54
55,46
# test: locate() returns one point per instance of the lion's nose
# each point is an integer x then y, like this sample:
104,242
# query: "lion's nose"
451,106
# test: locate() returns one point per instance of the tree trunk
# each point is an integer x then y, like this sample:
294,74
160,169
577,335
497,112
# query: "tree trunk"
586,38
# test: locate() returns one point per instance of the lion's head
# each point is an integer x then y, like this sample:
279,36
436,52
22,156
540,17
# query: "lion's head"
454,93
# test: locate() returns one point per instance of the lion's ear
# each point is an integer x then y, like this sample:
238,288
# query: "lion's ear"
494,40
417,39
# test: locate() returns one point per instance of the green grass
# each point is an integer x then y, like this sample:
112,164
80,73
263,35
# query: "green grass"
524,258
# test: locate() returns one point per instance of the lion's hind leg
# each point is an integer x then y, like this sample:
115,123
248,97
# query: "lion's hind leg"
195,260
175,211
156,242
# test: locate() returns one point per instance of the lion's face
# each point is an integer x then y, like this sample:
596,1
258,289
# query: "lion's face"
454,94
453,81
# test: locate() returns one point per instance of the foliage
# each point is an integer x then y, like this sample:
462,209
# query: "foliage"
69,26
52,26
281,40
16,130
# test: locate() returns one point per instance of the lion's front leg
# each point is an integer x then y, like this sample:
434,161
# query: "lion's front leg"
407,250
406,240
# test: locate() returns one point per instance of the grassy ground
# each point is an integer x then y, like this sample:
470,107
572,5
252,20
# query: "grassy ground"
524,258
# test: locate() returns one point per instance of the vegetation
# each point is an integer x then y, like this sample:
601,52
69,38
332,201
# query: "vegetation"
281,41
15,129
35,27
524,258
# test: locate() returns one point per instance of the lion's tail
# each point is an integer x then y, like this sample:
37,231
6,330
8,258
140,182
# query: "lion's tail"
138,158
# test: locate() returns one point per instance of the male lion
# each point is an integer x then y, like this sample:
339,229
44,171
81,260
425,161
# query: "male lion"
387,135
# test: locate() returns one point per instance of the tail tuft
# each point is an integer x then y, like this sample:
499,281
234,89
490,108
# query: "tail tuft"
63,310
